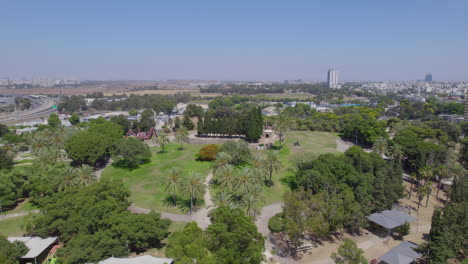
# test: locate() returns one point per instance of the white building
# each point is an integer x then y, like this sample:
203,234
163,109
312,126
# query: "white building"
332,78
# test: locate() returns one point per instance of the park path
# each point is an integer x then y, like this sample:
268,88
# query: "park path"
8,216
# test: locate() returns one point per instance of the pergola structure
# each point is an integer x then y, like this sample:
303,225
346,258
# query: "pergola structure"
38,247
402,254
390,219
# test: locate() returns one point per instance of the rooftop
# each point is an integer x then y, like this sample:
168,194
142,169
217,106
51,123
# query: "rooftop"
147,259
402,254
390,218
36,245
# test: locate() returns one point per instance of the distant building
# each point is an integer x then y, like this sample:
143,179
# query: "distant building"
428,78
146,259
466,106
332,78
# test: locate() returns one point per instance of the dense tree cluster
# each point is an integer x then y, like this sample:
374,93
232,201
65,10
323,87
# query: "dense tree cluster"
248,123
22,103
333,192
11,252
72,104
130,153
231,238
428,110
448,238
94,223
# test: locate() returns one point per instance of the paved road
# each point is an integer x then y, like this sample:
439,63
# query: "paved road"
8,216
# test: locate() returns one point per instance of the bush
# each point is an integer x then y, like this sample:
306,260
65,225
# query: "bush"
238,150
403,230
208,152
275,224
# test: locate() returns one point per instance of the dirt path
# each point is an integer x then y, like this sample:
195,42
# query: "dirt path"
342,145
8,216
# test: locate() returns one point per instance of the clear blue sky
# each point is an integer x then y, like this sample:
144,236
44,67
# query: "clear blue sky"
234,40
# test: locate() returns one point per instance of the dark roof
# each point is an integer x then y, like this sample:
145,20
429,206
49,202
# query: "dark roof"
390,218
402,254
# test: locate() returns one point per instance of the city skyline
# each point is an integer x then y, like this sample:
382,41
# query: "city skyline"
273,41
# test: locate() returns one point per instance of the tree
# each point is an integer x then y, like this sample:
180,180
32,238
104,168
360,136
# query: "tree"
146,120
244,181
4,130
94,223
54,120
181,136
74,119
225,176
233,237
11,252
85,175
222,159
187,123
87,147
404,229
133,112
349,253
238,150
396,152
123,122
194,187
208,152
68,178
110,130
162,140
174,183
130,152
422,192
193,110
188,246
282,125
6,159
380,146
272,164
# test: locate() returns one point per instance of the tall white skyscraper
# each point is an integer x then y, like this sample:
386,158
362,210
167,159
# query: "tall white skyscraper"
332,78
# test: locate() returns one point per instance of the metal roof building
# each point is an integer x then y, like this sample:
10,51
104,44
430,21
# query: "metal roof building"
402,254
37,246
390,218
147,259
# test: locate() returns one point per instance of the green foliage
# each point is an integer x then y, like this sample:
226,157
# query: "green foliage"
122,121
276,223
146,120
233,237
72,104
349,253
74,119
208,152
130,153
133,112
11,252
54,120
188,246
362,129
238,151
95,224
110,130
404,229
87,147
193,110
4,130
6,159
187,123
463,158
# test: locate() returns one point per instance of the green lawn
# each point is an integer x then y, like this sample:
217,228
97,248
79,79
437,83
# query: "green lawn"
146,183
24,206
310,142
24,161
13,226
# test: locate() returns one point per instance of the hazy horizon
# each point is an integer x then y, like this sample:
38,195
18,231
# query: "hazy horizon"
213,40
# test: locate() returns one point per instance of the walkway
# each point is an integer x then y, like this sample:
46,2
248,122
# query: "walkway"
8,216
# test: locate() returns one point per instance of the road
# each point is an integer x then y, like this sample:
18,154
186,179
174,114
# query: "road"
43,107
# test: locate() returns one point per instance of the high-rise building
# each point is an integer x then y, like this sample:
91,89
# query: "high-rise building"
466,106
428,78
332,78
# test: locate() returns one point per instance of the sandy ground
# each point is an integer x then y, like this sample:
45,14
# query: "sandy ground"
376,245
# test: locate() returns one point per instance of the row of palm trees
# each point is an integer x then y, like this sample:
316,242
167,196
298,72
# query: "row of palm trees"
176,184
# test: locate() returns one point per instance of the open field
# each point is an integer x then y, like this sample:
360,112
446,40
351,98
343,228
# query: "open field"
193,92
147,182
13,226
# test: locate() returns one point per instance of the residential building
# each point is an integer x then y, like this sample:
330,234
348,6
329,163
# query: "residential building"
332,79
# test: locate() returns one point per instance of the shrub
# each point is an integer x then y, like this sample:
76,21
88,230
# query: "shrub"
403,230
208,152
275,224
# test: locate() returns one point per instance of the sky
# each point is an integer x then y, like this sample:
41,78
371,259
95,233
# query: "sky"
234,40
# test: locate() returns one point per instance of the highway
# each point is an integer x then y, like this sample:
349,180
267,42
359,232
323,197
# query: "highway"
40,107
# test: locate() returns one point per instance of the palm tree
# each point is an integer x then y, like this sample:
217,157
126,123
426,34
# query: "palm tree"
86,175
182,135
380,146
282,125
272,163
194,187
244,181
251,204
162,140
173,183
429,190
222,159
422,191
425,174
69,178
413,178
226,176
223,198
396,152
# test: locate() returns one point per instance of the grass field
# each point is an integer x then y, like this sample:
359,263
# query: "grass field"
147,182
310,142
13,226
